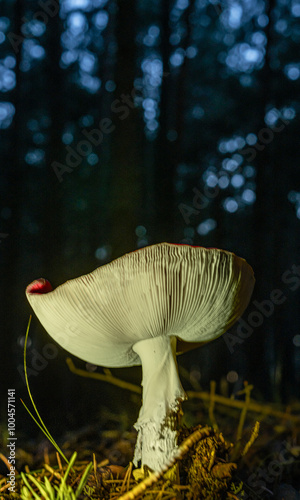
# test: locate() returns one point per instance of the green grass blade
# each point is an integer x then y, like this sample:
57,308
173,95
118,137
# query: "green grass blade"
42,426
25,493
33,418
62,491
83,480
29,487
49,488
70,465
40,486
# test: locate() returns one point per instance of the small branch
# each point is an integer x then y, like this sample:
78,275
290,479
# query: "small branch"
264,409
212,405
247,390
179,453
107,377
253,406
5,460
253,437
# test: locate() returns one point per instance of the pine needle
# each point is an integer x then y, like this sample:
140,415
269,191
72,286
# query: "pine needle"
253,437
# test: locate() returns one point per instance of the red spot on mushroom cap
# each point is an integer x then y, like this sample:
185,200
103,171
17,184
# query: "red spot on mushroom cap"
39,286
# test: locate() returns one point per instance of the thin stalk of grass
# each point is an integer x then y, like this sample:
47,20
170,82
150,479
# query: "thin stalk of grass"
70,465
83,480
28,486
41,425
60,492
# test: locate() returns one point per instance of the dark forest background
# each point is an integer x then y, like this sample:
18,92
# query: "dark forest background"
127,123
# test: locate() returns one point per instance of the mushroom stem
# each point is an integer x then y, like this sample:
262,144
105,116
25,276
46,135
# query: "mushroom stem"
162,396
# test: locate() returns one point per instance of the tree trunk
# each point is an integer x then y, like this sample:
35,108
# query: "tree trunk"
125,199
10,243
266,230
51,241
165,163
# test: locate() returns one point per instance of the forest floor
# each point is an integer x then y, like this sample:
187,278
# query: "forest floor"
242,450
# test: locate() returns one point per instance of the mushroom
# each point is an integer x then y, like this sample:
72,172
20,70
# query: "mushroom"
144,308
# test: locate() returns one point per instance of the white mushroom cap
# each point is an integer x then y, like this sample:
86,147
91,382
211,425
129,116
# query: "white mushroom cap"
192,293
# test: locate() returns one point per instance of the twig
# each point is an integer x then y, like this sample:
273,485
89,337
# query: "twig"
59,463
253,406
247,390
126,480
95,470
179,453
3,488
107,377
46,456
4,459
212,405
205,396
253,437
53,472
